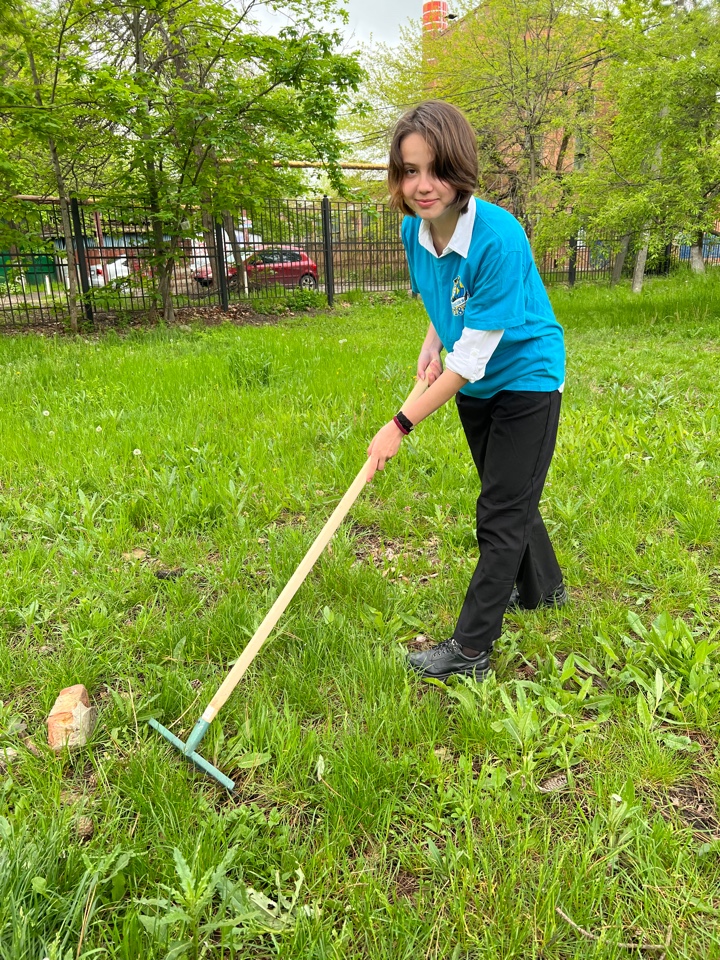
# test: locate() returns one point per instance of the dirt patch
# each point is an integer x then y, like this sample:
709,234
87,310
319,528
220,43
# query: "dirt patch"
132,614
167,574
706,743
286,518
394,557
405,887
420,642
575,793
239,315
691,801
81,786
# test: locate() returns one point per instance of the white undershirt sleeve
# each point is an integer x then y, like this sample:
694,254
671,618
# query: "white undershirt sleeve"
471,353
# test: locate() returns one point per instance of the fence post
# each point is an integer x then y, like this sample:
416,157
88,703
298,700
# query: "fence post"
572,262
221,268
328,250
80,257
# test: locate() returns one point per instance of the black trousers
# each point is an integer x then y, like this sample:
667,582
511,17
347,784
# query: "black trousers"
512,438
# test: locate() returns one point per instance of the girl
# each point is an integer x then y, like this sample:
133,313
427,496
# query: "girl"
472,264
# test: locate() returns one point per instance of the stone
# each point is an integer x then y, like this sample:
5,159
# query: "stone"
72,719
84,828
7,755
554,784
29,745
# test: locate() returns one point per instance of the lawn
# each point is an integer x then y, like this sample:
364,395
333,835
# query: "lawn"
157,490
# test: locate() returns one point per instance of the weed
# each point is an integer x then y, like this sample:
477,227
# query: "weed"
305,300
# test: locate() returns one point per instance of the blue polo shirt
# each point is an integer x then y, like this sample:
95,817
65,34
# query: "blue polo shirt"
495,287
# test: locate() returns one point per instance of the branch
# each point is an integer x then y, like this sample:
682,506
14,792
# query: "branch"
646,947
61,36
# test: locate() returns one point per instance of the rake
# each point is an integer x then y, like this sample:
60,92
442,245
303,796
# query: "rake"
190,746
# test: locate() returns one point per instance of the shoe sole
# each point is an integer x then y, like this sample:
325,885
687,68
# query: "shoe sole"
543,605
478,673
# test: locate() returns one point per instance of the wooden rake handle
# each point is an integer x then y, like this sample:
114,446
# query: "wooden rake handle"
294,583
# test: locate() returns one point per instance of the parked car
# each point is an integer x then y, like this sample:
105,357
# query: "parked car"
95,275
115,270
288,266
122,267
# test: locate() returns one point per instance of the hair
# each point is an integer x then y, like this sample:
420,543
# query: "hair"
452,142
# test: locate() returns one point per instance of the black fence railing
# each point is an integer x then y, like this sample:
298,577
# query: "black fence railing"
127,261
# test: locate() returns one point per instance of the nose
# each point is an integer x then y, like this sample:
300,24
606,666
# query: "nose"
425,182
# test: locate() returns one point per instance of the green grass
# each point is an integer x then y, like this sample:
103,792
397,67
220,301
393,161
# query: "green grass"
397,819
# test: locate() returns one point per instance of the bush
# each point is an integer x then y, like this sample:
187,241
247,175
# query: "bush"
305,300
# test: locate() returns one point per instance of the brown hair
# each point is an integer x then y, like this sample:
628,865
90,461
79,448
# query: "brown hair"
451,139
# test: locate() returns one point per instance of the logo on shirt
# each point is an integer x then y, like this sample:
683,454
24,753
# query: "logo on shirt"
458,298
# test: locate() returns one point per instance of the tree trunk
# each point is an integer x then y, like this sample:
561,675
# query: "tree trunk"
208,228
72,253
697,263
620,260
241,274
64,204
639,272
530,217
164,289
163,264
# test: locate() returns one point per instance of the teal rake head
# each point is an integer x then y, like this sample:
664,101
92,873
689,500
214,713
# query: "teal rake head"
188,750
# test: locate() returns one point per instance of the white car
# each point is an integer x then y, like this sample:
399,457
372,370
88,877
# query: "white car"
95,275
118,268
115,270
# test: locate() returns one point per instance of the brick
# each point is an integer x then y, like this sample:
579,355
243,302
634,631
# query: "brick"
72,719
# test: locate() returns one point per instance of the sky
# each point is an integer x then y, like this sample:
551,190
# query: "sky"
379,19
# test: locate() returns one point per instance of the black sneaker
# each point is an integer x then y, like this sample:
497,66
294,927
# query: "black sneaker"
446,659
556,598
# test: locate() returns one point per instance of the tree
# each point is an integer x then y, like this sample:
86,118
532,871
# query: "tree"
203,104
43,63
525,72
656,152
191,102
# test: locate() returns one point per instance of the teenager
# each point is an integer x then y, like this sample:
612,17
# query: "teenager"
471,263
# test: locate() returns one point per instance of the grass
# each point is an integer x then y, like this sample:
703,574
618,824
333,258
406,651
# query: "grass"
374,816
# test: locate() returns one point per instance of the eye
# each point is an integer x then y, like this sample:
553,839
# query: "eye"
409,171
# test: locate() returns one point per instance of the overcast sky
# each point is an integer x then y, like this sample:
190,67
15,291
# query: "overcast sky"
381,18
376,19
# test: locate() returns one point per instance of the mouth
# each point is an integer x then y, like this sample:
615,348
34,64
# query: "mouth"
423,204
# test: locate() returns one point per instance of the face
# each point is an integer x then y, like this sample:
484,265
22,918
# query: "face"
427,196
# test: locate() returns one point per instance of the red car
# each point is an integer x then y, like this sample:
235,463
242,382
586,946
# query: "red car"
288,266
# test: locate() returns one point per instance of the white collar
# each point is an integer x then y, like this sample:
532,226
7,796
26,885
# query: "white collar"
460,240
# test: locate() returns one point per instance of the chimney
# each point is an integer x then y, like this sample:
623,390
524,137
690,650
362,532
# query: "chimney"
435,16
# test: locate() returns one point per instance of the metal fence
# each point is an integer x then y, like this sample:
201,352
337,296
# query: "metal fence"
269,251
273,249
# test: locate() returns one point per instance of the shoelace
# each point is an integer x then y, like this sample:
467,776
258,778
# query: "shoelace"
443,647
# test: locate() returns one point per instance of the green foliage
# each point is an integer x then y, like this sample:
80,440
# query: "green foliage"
182,105
587,116
250,370
211,906
353,296
182,108
305,300
675,671
656,155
